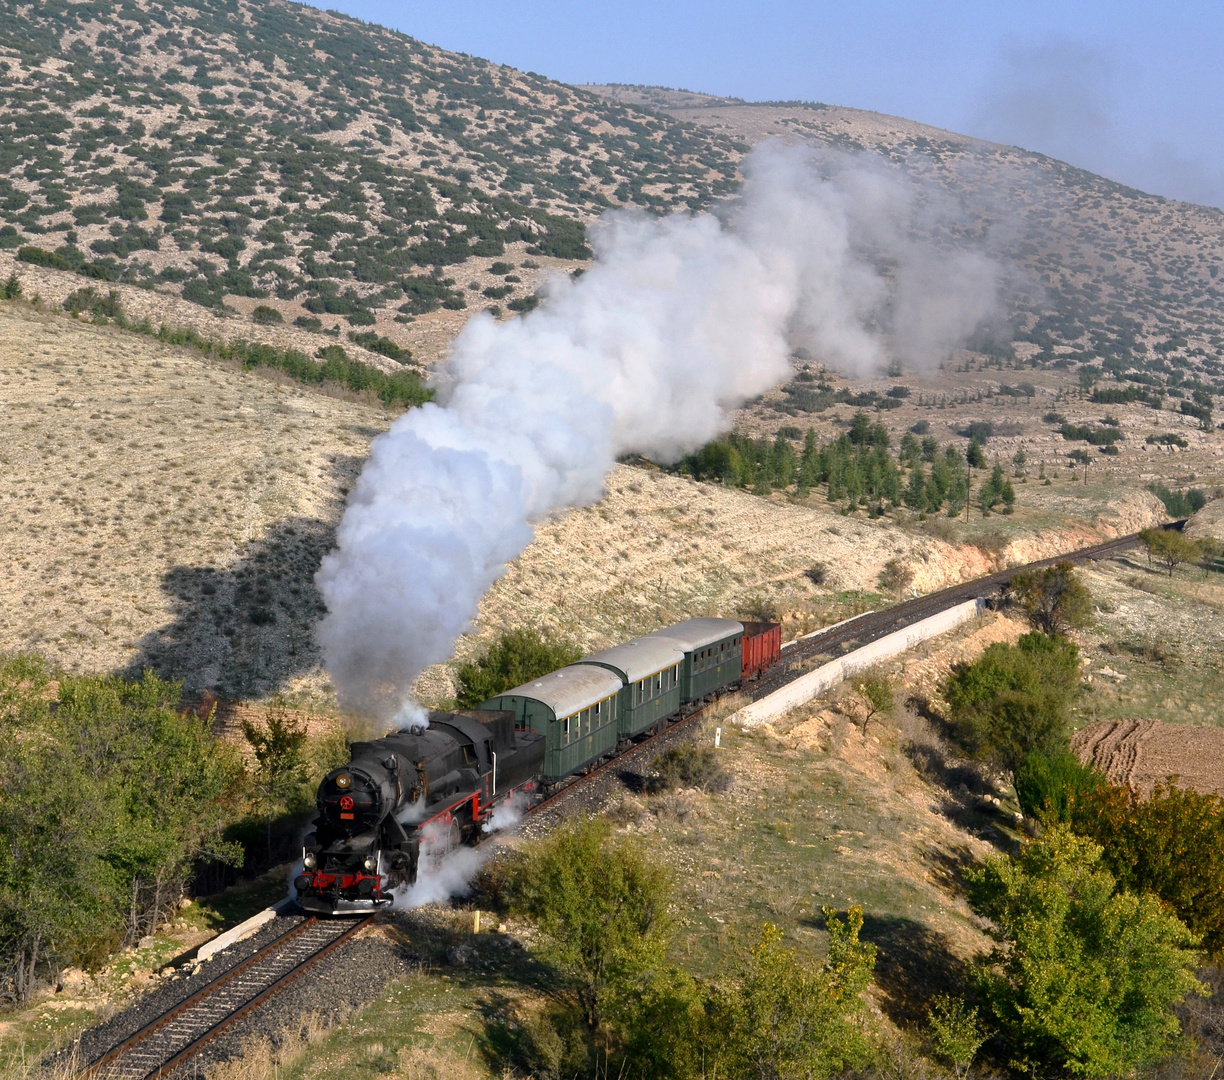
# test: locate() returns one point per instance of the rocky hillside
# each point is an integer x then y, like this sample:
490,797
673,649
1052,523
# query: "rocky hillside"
273,150
331,173
1103,277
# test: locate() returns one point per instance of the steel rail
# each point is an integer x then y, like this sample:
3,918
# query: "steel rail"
863,628
112,1064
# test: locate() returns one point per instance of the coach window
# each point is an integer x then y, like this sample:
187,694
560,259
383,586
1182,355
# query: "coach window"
565,731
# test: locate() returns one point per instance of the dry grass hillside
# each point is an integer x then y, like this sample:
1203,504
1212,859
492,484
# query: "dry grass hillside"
161,510
1102,272
169,511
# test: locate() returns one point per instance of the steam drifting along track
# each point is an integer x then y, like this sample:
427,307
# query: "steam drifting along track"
178,1034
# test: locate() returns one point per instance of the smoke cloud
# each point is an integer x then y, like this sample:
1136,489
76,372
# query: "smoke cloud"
1063,97
679,321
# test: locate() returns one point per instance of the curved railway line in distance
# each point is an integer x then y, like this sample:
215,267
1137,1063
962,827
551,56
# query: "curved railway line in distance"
167,1042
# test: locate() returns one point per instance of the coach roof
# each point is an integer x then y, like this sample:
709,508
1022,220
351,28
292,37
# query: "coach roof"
639,658
569,690
694,634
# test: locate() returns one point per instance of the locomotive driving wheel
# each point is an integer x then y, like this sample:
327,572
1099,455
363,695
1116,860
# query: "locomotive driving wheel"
440,839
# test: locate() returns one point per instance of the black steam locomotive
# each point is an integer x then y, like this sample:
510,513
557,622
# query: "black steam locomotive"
416,794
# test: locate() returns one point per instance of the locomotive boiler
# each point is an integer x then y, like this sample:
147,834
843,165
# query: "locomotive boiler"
410,796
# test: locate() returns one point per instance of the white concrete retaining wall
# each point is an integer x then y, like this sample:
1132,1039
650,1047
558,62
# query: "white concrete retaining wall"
242,930
806,687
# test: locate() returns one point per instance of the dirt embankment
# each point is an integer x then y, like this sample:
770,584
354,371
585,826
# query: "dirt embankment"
660,548
1141,753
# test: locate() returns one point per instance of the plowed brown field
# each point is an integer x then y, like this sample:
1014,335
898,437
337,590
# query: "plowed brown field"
1141,753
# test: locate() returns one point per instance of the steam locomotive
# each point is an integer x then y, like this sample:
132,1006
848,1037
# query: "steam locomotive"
414,796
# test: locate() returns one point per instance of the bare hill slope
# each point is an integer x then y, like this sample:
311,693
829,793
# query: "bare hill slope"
1108,276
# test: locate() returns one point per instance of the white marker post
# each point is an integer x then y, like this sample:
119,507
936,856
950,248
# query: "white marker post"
718,736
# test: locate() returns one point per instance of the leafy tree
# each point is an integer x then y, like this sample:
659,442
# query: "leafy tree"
1170,548
281,761
875,689
12,288
108,796
517,657
1053,599
781,1019
956,1032
599,907
1086,977
1168,844
1014,700
974,455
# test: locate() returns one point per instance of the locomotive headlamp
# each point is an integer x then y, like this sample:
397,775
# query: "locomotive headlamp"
309,861
371,863
343,780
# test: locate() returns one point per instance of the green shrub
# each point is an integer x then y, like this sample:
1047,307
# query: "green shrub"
383,346
1167,844
779,1017
428,293
37,256
88,300
599,906
1177,504
690,766
1087,977
266,316
1014,700
109,794
1048,785
515,658
404,389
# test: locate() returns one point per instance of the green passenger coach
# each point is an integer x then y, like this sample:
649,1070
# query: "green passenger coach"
713,651
576,709
650,668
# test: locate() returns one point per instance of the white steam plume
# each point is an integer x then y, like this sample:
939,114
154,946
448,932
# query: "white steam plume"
679,321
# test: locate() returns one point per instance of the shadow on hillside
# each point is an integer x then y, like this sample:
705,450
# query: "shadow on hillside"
913,964
242,632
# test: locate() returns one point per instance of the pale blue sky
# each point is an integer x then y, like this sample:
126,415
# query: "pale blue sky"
1132,90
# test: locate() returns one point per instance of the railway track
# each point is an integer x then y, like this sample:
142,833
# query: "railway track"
873,625
862,629
167,1042
170,1040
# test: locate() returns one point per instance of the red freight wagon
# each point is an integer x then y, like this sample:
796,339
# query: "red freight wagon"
762,647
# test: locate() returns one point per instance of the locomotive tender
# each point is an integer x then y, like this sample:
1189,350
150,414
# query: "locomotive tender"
419,793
